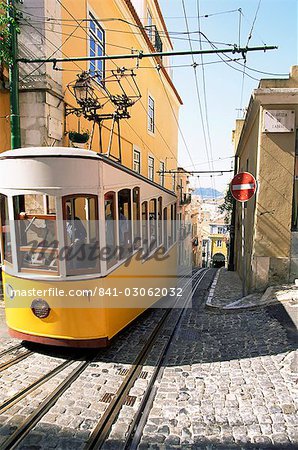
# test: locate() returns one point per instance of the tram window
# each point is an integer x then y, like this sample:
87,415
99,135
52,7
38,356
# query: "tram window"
159,214
145,227
5,230
124,218
165,228
152,224
80,213
175,222
110,223
136,218
50,204
38,204
170,226
36,234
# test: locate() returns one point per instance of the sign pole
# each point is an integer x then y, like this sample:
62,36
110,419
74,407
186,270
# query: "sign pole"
243,187
243,252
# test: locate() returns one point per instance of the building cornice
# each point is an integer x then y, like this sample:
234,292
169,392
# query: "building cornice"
271,96
151,48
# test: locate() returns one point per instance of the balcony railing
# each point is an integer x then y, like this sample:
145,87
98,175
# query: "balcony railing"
185,199
154,37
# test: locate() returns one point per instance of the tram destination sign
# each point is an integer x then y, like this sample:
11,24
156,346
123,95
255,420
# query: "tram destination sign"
243,186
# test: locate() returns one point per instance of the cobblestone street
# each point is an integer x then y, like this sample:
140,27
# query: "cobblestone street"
229,380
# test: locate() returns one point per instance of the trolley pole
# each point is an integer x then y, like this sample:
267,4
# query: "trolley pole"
15,127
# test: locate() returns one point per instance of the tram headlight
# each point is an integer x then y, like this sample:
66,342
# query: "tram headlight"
40,308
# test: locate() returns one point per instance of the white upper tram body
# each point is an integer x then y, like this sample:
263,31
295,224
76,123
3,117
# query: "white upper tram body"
66,176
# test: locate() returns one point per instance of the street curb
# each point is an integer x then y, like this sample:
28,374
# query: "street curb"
211,292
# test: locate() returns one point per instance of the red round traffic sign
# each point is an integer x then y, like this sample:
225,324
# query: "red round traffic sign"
243,186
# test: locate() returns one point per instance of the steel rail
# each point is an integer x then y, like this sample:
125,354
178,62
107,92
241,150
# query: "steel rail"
20,433
15,360
32,387
11,349
101,431
134,434
14,440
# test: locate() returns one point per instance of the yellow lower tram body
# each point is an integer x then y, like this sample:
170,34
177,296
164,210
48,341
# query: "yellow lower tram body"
84,313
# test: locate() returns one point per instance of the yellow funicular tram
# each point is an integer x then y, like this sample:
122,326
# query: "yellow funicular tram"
80,238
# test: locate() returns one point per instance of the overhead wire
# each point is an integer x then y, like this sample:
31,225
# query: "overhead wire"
175,157
214,160
204,89
193,40
161,33
230,60
56,50
177,122
247,43
197,92
114,19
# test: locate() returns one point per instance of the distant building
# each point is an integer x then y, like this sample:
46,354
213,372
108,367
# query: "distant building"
196,224
211,244
218,244
266,145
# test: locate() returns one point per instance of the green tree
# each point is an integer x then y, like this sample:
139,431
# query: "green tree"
6,22
227,206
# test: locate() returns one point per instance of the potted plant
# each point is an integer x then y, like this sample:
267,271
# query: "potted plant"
79,139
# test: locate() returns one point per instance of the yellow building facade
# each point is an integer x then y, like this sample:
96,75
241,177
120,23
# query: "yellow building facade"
149,138
219,250
4,111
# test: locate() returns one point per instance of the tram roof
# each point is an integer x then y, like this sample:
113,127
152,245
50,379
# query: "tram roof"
67,152
48,151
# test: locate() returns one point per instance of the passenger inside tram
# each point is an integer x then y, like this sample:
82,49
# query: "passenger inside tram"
110,226
75,228
81,234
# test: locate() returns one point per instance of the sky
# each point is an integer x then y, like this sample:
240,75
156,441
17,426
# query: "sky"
226,92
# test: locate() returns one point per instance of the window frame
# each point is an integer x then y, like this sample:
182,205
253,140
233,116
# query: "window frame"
145,226
162,175
136,218
151,118
151,159
153,205
42,216
2,238
98,43
66,198
136,150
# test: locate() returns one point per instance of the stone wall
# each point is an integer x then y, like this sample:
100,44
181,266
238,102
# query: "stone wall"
41,98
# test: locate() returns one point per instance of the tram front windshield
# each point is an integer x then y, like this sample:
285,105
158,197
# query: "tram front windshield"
36,233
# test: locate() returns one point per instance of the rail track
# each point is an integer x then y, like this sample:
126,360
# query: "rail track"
103,428
11,349
23,355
